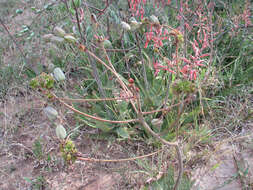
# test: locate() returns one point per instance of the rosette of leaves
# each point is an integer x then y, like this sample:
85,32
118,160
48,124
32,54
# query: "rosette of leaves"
69,151
51,113
154,19
59,32
58,74
107,43
60,132
125,26
183,86
42,81
134,24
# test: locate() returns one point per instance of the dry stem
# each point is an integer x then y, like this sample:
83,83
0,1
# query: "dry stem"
118,160
174,144
91,116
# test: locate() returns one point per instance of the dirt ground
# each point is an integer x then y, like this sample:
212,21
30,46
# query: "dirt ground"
29,156
229,166
18,161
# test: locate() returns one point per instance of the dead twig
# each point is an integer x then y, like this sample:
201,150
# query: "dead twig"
17,45
91,116
78,21
95,100
118,160
23,146
173,144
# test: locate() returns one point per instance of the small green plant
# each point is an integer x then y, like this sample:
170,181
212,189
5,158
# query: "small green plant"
69,151
166,182
42,81
183,87
38,149
39,183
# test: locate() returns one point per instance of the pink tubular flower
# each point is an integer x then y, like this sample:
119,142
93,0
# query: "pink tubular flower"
199,36
204,55
187,26
136,6
142,12
193,75
246,14
185,70
186,60
157,2
195,49
189,73
157,36
156,67
149,36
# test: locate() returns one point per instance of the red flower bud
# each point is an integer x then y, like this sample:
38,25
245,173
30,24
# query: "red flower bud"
130,85
82,47
131,81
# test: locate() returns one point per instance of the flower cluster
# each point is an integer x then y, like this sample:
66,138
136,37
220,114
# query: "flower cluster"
240,20
200,45
156,34
245,17
136,6
247,14
187,66
166,65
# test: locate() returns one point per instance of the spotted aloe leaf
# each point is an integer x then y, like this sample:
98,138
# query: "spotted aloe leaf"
58,74
51,113
60,132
